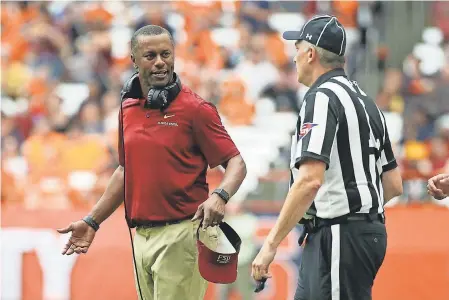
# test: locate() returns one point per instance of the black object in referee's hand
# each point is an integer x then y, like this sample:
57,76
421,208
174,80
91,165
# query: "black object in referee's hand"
260,285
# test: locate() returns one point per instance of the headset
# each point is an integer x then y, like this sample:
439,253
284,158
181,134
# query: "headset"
156,99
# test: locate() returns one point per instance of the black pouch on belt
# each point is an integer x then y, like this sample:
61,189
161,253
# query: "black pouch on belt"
303,235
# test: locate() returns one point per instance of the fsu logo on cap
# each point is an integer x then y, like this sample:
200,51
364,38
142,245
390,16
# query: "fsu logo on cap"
305,129
223,259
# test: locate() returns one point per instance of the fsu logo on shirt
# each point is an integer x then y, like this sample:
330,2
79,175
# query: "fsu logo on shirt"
305,129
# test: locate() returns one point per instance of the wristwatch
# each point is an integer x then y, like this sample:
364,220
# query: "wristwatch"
91,222
222,193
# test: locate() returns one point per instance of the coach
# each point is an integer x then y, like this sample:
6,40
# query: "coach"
343,172
168,137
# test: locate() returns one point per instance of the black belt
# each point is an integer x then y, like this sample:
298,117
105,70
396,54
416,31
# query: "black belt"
315,223
151,224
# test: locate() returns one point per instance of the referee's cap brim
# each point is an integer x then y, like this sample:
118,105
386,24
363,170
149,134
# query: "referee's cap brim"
292,35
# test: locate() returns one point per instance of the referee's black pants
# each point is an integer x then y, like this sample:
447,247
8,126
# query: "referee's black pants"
340,262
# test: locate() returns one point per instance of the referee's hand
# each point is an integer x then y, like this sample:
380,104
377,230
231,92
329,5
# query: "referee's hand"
262,262
438,186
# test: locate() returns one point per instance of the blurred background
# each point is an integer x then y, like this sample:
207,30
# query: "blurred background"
63,65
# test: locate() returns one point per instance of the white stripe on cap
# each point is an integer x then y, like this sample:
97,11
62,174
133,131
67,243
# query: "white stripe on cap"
322,31
342,31
315,18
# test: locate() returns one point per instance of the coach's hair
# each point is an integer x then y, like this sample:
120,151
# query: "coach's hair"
149,30
328,59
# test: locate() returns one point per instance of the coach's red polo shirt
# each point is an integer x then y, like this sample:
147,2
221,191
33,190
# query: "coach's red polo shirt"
166,156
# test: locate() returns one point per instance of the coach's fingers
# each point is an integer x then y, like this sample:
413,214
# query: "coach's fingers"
71,250
65,229
66,247
199,213
207,218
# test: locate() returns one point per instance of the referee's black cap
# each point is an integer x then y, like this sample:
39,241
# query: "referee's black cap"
322,31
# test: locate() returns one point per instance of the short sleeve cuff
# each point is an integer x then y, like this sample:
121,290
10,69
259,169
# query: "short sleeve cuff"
390,166
306,154
224,158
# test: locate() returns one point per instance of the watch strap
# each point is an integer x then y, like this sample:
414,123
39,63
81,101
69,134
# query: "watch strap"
222,193
91,222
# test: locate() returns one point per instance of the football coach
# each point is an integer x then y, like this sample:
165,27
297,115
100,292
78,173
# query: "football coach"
167,139
343,171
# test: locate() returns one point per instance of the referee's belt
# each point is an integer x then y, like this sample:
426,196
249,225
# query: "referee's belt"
315,222
151,224
312,225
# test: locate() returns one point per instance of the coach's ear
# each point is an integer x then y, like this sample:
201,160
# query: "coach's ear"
133,59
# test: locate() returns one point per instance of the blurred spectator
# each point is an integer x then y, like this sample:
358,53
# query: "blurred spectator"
255,13
153,13
84,152
57,118
390,98
90,118
440,11
284,91
256,71
234,105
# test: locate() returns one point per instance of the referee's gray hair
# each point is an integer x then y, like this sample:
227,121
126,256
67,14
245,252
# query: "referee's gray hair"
328,59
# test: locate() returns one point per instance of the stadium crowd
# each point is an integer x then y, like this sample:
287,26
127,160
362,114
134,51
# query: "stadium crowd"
64,63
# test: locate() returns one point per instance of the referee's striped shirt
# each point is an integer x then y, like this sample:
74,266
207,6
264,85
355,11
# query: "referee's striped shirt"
342,126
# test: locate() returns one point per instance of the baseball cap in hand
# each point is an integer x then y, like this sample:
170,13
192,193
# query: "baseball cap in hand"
218,267
322,31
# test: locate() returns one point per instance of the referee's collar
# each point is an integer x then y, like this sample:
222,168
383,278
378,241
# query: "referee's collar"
325,77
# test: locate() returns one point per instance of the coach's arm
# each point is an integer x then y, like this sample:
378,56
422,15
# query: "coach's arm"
83,234
112,197
392,184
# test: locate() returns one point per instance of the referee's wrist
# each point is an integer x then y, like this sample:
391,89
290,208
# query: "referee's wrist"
91,222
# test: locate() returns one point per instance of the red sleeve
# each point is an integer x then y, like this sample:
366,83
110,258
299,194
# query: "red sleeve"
121,156
211,136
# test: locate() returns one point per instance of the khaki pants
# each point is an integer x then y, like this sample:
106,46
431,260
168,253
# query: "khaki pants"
167,261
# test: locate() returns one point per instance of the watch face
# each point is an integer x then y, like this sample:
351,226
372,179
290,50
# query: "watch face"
222,193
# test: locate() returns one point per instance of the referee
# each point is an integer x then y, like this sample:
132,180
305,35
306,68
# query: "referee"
343,171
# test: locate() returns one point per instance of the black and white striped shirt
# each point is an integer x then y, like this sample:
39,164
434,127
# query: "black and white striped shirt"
342,126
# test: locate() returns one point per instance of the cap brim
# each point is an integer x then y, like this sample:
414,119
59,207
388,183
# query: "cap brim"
213,271
219,267
291,35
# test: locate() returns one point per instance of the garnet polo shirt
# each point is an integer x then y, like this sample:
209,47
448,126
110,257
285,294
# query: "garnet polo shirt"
166,155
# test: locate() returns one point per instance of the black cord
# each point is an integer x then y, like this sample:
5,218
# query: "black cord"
124,197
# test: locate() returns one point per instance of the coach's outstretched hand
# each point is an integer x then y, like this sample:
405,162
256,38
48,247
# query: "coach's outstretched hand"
81,238
212,211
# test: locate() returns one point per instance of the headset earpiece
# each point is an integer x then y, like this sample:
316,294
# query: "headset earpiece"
161,98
